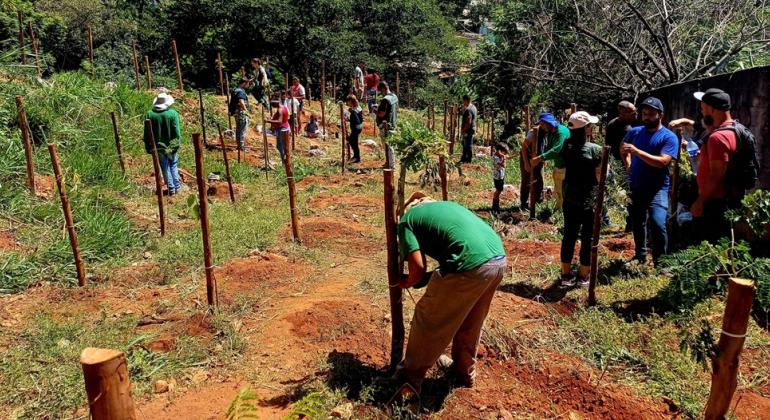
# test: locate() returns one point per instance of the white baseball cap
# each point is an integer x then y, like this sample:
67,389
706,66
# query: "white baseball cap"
581,119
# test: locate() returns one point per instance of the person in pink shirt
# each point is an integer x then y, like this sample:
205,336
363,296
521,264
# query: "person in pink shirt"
298,92
280,124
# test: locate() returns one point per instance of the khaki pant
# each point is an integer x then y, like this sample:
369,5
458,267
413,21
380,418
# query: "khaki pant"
558,186
453,309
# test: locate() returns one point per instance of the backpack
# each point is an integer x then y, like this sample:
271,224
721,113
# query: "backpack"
743,168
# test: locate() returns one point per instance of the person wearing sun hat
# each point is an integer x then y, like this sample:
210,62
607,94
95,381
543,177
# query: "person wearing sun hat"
471,264
166,129
581,164
556,136
647,152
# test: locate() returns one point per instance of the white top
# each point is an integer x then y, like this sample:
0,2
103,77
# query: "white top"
358,74
292,110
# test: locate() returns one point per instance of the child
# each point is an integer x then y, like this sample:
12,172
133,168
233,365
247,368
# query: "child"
498,173
311,129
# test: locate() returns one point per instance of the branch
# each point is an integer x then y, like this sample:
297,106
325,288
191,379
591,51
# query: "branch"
669,71
618,51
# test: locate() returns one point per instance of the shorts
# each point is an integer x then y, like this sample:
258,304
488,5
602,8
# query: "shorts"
499,184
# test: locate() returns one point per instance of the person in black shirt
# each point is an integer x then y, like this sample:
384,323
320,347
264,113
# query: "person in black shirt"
356,125
616,129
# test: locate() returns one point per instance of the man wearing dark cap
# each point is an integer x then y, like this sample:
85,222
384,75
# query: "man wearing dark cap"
715,196
647,151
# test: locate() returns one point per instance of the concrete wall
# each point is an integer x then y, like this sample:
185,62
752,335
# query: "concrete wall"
750,94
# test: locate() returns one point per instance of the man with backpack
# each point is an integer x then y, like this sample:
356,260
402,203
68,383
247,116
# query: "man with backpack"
727,166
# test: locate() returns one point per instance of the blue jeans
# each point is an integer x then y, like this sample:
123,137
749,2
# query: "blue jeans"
649,206
468,145
241,129
370,99
170,171
279,142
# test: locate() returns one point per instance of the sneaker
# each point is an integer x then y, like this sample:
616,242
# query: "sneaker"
583,281
567,280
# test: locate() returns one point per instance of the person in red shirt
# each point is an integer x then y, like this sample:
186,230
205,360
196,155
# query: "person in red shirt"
371,80
714,195
280,125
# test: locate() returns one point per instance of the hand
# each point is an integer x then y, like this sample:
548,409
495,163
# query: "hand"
697,208
404,283
535,161
628,149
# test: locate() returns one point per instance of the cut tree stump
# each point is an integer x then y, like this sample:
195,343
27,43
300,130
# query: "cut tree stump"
108,386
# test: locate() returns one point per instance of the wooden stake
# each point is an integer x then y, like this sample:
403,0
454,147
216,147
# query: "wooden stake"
492,127
35,50
90,46
343,136
334,87
203,117
264,143
219,71
227,164
724,379
533,174
158,184
27,143
212,297
323,97
442,176
408,94
674,192
108,385
394,274
287,165
287,82
21,36
443,124
67,210
398,84
135,59
598,211
148,72
179,82
452,131
118,145
227,87
293,121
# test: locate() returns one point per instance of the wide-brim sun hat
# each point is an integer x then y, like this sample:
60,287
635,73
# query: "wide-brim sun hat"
581,119
162,102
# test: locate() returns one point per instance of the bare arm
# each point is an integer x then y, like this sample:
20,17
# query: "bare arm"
716,176
655,161
416,264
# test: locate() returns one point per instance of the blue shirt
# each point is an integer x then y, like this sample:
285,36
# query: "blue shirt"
643,176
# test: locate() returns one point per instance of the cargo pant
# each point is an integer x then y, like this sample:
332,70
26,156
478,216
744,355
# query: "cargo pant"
558,186
453,309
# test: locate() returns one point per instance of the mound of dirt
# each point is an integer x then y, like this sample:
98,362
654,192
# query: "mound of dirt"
45,186
528,257
262,270
622,247
328,232
356,203
219,190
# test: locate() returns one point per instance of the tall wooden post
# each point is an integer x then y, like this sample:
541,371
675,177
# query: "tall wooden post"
724,377
443,125
287,164
264,142
492,127
148,72
118,145
90,45
67,210
442,176
398,84
394,275
452,131
323,96
408,94
533,196
598,211
179,82
227,164
21,37
212,297
135,60
158,184
674,191
334,87
287,82
27,143
108,386
203,117
35,49
227,93
343,136
219,72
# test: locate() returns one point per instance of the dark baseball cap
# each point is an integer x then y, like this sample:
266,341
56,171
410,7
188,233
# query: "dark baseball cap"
653,103
714,97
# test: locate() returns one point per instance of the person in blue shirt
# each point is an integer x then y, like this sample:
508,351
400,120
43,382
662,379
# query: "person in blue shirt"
647,151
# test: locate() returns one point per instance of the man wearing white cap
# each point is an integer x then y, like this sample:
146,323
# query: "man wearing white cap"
166,130
581,162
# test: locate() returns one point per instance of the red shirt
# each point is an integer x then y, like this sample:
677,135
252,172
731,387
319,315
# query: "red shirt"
371,80
283,115
720,146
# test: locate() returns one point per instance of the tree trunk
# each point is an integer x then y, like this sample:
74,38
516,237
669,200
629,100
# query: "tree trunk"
108,386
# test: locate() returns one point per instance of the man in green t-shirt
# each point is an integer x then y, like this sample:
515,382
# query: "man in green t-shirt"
166,130
471,262
556,135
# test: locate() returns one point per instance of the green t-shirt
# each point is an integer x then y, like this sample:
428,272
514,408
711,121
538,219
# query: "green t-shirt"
555,142
166,129
450,234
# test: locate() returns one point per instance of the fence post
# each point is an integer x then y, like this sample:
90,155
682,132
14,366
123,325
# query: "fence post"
147,72
35,50
158,185
21,36
67,210
27,143
211,283
203,117
342,137
323,97
227,95
118,145
442,176
394,276
597,228
227,164
219,71
108,386
264,143
398,84
287,164
135,60
179,82
90,45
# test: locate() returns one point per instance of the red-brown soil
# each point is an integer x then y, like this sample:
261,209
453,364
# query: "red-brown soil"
8,241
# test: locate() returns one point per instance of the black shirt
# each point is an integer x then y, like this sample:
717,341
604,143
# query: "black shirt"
580,162
616,130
